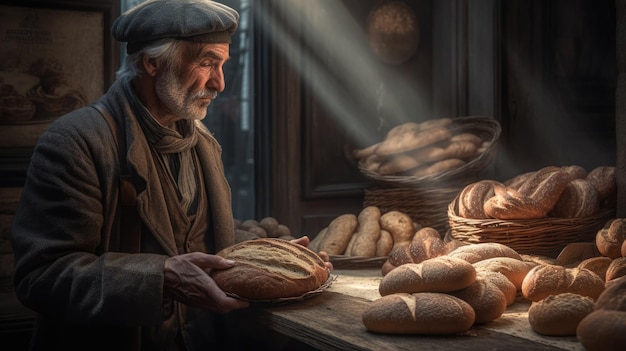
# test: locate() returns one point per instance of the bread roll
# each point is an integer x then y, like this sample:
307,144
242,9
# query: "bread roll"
473,253
386,268
513,269
503,283
338,235
610,238
426,243
545,187
518,180
598,265
614,296
384,244
439,274
575,172
412,140
473,197
367,233
270,268
421,313
603,179
435,168
616,269
603,330
508,203
559,315
486,299
400,225
578,200
400,254
545,280
270,224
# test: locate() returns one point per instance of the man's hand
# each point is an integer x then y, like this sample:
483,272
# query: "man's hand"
187,279
305,241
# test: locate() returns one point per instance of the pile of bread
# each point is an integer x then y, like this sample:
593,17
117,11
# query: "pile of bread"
563,192
370,234
267,227
432,287
421,149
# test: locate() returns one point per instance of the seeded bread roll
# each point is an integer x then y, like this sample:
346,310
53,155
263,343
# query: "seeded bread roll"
610,238
270,268
508,203
515,270
473,253
503,283
545,280
426,243
486,299
545,187
421,313
439,274
559,315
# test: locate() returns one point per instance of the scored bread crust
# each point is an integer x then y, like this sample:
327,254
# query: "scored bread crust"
559,315
270,268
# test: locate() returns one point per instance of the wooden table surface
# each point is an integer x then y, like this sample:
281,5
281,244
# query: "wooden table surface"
332,321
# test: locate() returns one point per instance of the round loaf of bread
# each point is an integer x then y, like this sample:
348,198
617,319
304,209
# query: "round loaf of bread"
616,269
503,283
545,280
400,254
508,203
477,252
598,265
614,296
426,243
559,315
603,330
438,274
610,238
421,313
578,200
515,270
486,299
270,268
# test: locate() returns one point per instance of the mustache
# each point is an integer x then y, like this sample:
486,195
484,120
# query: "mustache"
209,93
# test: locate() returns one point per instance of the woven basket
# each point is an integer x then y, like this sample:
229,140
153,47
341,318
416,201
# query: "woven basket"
426,199
488,129
543,236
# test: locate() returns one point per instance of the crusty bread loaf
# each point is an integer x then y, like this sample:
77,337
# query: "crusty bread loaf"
603,330
473,253
609,239
603,179
518,180
270,268
421,313
338,234
503,283
598,265
616,269
575,172
559,315
439,274
578,200
400,255
614,296
545,280
545,186
486,299
515,270
426,243
386,268
473,197
508,203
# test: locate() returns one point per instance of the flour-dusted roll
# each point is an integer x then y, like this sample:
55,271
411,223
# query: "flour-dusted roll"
545,187
616,269
614,296
486,299
515,270
545,280
578,200
420,313
508,203
603,179
598,265
426,243
559,315
603,330
477,252
503,283
270,268
473,197
439,274
610,238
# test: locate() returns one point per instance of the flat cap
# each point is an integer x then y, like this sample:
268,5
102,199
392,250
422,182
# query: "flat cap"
202,21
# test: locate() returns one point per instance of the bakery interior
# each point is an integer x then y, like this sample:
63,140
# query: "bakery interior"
313,86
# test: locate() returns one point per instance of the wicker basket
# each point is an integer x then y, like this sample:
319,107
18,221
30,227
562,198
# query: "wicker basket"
488,129
543,236
426,199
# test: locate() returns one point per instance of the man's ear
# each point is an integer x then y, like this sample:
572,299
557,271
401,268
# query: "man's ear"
150,65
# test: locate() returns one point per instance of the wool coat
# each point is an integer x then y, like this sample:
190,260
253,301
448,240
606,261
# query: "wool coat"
83,287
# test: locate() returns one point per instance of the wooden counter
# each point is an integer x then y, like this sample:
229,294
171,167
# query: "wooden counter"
332,321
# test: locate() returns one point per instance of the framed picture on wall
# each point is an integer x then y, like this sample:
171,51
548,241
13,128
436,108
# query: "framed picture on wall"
55,56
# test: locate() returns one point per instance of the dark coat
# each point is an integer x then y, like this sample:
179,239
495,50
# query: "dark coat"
82,289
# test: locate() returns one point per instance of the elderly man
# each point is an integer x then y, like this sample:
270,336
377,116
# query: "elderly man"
124,199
